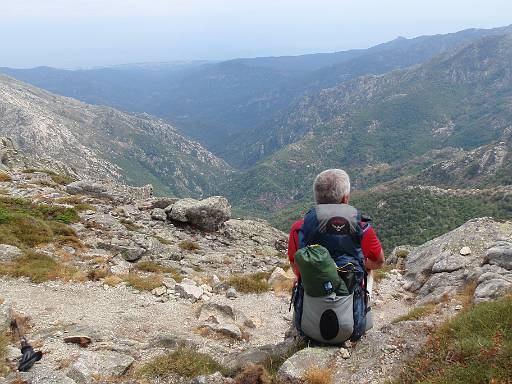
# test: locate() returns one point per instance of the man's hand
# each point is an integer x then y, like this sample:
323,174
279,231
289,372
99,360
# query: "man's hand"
374,264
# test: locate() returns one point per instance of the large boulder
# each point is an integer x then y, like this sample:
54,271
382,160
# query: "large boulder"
501,255
6,314
208,214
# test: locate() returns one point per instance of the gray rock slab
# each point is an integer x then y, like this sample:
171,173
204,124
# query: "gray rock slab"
9,252
293,369
40,374
500,255
448,262
104,363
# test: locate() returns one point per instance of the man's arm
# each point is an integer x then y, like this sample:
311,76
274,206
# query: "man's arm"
372,250
293,245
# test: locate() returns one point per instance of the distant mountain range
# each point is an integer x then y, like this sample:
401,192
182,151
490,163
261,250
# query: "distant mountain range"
239,109
434,110
102,142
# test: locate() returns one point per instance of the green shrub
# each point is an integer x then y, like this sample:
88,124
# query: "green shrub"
185,362
473,347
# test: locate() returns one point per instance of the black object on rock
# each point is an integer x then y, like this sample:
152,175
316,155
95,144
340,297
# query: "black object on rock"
29,356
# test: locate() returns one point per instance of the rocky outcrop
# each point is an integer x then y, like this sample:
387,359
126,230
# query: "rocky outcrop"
479,252
89,141
208,214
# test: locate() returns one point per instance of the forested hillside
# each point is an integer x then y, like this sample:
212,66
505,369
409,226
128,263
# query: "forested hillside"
458,100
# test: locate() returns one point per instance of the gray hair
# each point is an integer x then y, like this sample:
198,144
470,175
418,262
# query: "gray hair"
331,186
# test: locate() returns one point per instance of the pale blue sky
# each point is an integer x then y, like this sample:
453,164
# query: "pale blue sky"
85,33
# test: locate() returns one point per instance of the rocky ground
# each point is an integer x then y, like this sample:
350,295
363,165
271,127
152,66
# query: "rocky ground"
198,248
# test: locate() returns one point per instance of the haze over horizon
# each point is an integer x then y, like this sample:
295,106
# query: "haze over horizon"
89,33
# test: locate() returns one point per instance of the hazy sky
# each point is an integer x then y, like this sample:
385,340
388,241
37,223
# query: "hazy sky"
84,33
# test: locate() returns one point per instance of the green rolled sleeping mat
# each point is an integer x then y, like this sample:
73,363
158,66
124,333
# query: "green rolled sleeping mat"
318,272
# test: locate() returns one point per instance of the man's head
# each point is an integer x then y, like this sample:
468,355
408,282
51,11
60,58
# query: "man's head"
332,187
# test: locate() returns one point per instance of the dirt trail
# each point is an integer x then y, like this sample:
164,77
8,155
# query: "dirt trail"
119,319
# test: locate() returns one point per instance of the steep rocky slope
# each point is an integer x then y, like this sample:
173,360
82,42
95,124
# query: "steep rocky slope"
103,142
457,100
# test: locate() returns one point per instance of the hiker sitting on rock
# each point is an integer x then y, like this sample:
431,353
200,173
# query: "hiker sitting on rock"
331,252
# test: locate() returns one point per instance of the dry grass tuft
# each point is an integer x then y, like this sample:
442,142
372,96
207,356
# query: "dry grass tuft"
381,273
143,283
252,283
163,240
112,280
5,177
188,245
150,266
317,375
253,374
185,362
38,268
417,313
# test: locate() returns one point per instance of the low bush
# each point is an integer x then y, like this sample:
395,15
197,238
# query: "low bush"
185,362
473,347
62,179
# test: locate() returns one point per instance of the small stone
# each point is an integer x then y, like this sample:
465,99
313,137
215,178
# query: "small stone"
81,340
458,307
188,291
158,214
215,280
159,291
464,251
344,353
230,330
231,293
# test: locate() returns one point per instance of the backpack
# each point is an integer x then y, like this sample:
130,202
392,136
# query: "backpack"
331,318
319,272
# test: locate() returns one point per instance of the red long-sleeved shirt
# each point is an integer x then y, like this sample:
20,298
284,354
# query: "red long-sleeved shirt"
370,244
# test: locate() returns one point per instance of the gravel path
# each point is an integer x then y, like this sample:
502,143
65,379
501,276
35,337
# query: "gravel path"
136,323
